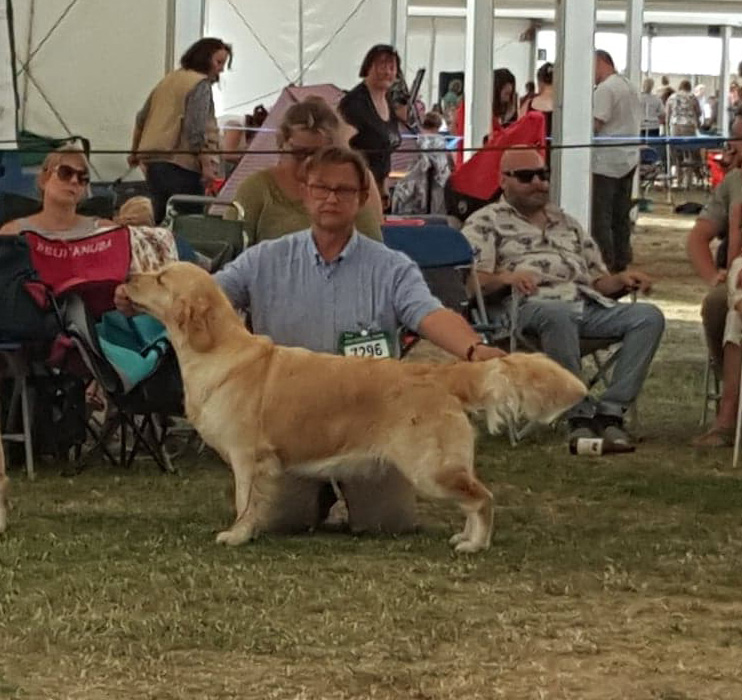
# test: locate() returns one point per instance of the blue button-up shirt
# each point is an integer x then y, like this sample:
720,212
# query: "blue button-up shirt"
300,300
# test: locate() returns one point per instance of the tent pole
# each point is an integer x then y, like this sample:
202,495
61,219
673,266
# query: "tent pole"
573,111
478,73
170,37
300,43
725,77
29,41
432,77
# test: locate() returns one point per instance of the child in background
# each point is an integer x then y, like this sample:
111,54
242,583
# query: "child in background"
137,211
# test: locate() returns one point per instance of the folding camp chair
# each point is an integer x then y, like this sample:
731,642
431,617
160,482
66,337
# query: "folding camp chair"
601,351
142,408
218,239
445,258
13,358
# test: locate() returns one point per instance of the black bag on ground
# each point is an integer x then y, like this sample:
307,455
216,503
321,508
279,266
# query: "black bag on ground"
60,417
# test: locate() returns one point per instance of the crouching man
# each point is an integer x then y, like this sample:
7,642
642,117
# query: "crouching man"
330,289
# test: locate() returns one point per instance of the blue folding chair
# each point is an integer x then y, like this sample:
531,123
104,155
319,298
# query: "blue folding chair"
446,258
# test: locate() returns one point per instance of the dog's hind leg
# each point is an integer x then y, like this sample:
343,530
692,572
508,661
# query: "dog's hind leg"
255,487
476,501
454,483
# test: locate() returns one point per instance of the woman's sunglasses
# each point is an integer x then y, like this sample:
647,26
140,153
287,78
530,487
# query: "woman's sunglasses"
526,175
66,172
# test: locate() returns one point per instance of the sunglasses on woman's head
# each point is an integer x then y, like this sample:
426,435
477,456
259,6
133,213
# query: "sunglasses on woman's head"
66,172
526,175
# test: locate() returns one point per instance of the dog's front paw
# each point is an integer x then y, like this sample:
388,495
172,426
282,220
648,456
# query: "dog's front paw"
469,547
457,538
3,519
232,537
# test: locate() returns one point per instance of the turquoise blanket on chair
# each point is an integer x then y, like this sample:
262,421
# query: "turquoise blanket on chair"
133,345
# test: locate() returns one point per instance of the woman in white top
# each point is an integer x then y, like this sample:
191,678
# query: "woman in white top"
63,182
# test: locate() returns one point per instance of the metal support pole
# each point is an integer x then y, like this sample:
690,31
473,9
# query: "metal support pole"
635,22
186,21
300,43
726,75
399,29
635,27
478,78
432,96
573,118
29,44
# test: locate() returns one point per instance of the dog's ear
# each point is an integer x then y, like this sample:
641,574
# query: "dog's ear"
194,320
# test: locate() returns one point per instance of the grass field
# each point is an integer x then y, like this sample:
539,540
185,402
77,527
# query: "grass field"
614,577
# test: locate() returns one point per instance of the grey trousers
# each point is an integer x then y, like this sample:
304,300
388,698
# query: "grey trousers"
560,325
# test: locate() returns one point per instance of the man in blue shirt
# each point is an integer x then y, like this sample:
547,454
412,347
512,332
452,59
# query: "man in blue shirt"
310,288
329,289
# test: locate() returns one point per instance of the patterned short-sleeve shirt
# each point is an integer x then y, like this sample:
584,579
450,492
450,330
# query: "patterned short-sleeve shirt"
565,259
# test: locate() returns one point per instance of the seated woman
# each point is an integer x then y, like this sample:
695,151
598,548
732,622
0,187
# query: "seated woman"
63,182
271,198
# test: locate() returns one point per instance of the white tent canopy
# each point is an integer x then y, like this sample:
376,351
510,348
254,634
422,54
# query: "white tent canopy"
86,66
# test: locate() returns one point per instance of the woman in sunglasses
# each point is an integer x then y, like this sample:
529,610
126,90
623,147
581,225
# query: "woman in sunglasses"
272,198
63,182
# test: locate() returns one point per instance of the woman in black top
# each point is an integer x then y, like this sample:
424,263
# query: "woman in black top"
368,109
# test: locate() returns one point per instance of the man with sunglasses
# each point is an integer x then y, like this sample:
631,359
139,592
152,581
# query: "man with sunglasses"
531,246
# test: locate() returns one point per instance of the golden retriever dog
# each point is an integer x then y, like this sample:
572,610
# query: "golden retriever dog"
267,408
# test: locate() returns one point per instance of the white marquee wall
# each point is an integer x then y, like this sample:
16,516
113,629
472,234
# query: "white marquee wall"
94,69
273,47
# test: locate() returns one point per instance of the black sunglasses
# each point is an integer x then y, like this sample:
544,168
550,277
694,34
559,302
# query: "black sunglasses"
526,175
66,172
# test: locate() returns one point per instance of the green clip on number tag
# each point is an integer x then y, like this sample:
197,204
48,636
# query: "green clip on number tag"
365,344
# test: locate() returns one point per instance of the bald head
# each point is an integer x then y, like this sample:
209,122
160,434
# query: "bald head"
518,158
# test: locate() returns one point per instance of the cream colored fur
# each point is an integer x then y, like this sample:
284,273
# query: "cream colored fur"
267,408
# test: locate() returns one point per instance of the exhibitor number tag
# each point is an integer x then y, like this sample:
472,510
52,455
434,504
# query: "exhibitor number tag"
365,344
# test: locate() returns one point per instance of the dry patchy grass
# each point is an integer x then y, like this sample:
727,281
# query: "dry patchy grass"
608,578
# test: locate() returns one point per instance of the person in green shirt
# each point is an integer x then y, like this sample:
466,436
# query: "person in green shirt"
271,198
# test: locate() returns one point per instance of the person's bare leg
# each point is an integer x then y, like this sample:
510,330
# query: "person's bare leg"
726,418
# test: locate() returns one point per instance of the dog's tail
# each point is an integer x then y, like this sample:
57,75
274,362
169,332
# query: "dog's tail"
518,386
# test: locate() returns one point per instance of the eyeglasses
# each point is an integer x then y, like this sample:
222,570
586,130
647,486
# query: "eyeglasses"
66,172
323,192
526,175
301,154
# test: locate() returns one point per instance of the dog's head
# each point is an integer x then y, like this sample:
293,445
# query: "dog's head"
537,389
185,299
